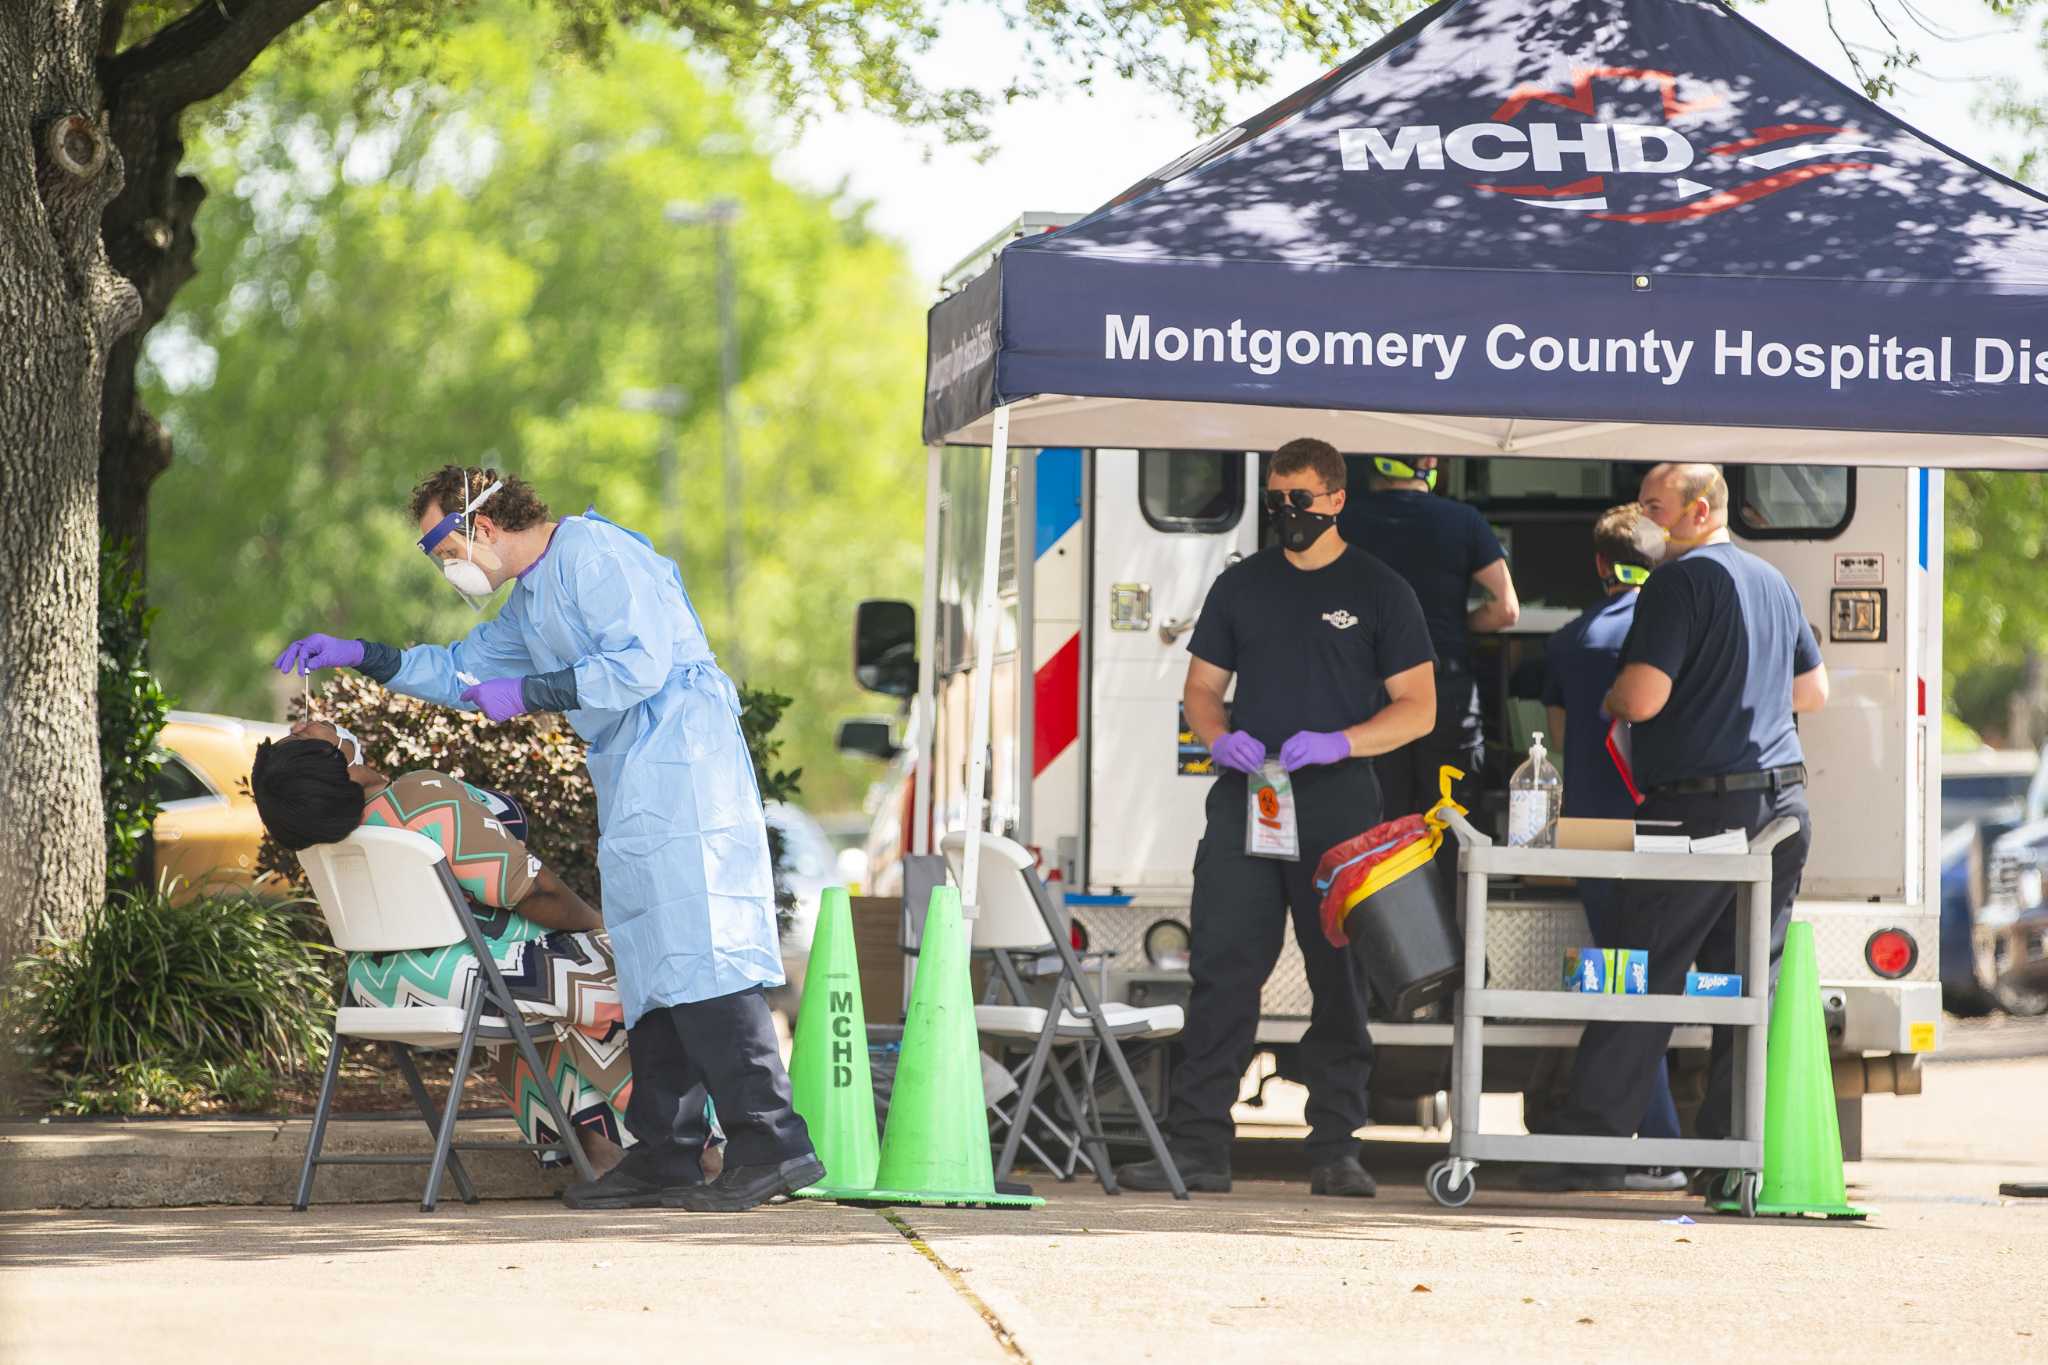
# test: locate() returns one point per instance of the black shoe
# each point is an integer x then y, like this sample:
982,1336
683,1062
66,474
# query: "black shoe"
739,1188
1199,1177
1558,1178
628,1185
1344,1177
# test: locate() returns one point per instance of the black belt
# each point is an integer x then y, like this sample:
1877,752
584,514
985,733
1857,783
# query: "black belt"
1770,779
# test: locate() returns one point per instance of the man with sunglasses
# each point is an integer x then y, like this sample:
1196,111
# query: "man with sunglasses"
598,625
1332,664
1718,662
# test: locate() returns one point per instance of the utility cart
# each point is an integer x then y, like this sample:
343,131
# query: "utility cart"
1451,1182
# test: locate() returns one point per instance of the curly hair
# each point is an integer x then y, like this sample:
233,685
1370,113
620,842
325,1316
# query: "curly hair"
515,507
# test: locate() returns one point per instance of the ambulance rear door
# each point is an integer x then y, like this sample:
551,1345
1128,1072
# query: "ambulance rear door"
1164,524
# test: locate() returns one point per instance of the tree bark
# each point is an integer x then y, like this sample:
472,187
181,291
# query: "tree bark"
62,309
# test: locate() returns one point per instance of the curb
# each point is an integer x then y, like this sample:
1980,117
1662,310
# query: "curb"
172,1163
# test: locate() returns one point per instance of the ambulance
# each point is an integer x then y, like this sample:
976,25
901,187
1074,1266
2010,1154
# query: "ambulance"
1106,558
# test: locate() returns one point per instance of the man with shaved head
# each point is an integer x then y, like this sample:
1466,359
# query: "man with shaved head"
1716,664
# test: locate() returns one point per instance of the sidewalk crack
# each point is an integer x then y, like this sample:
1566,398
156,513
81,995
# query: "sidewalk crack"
1004,1337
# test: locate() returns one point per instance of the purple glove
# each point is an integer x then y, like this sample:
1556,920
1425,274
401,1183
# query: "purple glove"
319,651
1308,748
1236,749
500,698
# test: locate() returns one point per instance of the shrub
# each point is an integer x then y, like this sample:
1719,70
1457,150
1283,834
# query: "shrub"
132,708
211,988
536,759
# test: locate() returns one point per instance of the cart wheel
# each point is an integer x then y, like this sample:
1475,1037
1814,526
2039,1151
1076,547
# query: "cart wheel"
1438,1183
1746,1192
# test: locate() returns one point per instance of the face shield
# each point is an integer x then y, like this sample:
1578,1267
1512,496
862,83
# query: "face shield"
467,575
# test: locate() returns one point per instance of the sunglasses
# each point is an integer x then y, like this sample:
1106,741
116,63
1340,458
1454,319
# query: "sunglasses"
1300,499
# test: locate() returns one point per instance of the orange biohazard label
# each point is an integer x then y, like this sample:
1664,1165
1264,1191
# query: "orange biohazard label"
1269,803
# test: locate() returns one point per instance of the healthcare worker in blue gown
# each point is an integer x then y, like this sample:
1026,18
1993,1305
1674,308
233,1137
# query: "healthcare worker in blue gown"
598,625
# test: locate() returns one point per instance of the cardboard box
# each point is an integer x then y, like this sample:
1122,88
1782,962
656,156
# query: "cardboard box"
1607,971
1713,983
1603,836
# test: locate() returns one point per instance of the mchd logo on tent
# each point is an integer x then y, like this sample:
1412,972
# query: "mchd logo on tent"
1679,180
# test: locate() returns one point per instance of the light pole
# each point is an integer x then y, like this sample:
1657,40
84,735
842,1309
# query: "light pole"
667,403
721,214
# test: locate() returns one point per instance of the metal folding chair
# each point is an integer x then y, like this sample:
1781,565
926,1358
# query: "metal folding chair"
390,890
1017,921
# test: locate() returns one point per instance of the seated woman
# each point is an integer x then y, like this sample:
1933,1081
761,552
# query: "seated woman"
546,940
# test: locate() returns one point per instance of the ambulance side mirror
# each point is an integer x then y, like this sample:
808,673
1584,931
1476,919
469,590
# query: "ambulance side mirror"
868,736
885,647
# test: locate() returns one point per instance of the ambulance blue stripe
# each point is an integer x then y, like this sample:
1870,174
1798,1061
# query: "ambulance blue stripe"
1920,511
1059,495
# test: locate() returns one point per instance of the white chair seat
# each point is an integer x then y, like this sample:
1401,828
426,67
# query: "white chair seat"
1124,1021
427,1026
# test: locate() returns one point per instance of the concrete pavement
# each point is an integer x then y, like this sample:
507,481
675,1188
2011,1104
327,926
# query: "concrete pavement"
1947,1267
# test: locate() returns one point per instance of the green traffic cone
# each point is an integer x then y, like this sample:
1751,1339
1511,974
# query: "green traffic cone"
935,1149
1802,1141
829,1078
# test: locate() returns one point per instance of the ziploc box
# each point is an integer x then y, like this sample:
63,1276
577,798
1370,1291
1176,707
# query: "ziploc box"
1607,971
1713,983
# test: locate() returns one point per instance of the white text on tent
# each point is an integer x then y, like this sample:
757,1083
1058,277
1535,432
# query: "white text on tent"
1264,348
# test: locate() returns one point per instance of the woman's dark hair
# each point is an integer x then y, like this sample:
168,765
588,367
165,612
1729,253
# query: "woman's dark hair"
303,793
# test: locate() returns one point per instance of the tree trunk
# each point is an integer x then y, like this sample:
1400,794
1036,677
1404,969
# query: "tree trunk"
62,308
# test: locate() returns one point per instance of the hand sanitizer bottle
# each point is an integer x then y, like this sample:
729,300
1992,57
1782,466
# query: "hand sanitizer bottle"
1535,797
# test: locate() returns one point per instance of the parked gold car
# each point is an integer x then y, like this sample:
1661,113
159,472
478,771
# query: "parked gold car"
207,832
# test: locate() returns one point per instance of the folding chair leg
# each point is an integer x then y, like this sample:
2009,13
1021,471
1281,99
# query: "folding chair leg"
402,1055
1027,1093
319,1133
1144,1110
444,1140
1087,1135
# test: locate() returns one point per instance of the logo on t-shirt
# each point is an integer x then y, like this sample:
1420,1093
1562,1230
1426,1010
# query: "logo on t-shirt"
1340,619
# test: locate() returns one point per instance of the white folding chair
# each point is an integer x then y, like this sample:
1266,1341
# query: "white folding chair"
1017,919
389,890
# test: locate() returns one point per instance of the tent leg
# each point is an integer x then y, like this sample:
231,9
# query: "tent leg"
927,716
985,652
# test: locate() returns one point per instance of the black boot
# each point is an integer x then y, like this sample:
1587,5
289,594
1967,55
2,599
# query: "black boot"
1344,1177
739,1188
1200,1177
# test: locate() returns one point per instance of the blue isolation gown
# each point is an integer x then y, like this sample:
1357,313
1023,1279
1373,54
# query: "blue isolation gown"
689,900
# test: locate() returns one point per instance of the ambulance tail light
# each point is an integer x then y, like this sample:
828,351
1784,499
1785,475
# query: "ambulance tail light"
1891,953
1077,934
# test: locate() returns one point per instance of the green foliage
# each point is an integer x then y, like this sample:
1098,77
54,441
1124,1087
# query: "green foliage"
760,712
132,707
210,988
477,266
1997,530
169,1088
1957,737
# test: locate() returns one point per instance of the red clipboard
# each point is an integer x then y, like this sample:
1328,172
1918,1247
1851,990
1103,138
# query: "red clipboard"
1619,749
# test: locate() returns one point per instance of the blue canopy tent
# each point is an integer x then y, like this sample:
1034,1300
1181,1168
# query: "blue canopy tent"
1587,229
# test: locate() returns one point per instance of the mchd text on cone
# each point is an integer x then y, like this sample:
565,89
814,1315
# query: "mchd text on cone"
829,1078
1802,1142
935,1149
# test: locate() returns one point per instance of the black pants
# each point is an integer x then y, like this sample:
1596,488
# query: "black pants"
1239,915
724,1045
1681,923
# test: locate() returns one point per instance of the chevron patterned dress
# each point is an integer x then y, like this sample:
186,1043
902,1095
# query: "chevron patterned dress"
562,980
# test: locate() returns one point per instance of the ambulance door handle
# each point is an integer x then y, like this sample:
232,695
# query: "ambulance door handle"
1172,630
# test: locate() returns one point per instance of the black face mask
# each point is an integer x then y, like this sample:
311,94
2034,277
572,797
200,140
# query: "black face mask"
1300,529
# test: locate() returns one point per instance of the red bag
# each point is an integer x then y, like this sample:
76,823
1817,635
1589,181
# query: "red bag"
1346,867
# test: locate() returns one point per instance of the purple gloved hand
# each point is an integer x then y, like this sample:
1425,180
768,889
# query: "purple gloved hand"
1236,749
500,698
319,651
1308,748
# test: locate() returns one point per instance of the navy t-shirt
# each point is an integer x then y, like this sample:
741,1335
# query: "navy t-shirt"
1579,664
1436,544
1310,647
1728,630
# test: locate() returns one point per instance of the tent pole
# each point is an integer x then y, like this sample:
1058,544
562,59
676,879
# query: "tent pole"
985,653
926,715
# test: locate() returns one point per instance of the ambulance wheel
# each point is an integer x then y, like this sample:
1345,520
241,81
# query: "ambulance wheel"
1746,1192
1438,1183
